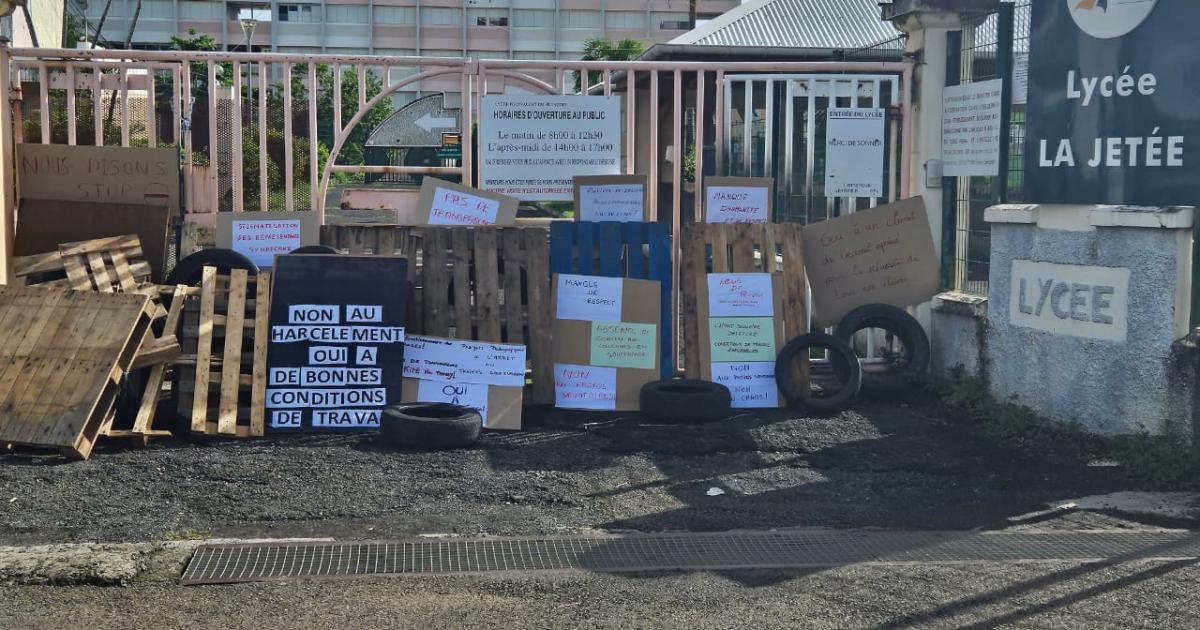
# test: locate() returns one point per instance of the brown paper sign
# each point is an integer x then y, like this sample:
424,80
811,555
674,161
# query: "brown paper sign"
130,175
883,255
578,342
503,403
621,198
447,203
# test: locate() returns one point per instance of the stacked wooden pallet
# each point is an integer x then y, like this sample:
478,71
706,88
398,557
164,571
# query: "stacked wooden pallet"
221,376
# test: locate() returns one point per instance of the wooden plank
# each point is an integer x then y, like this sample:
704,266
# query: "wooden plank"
37,263
770,264
100,277
358,239
743,247
77,273
718,238
694,253
585,247
538,352
258,386
232,368
124,273
794,302
208,289
512,253
437,318
562,243
385,241
144,419
124,242
608,239
660,269
487,285
82,365
460,260
35,313
88,425
25,402
159,352
634,236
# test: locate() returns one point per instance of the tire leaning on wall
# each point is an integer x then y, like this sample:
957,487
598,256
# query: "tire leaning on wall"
899,377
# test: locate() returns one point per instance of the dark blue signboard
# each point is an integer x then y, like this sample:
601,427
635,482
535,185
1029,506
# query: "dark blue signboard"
1114,102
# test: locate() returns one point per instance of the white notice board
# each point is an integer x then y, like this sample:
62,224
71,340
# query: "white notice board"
531,145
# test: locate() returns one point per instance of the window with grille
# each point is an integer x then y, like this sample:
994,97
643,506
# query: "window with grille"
303,13
535,18
395,15
347,13
487,17
579,19
441,16
626,20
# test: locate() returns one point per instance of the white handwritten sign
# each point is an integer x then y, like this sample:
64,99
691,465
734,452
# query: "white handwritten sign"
260,241
589,298
750,385
585,387
453,207
612,202
740,295
737,204
430,358
854,152
471,395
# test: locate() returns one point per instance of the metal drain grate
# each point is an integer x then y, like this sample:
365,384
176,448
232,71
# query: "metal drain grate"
216,564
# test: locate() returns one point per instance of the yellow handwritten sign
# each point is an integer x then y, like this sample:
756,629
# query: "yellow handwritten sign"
883,255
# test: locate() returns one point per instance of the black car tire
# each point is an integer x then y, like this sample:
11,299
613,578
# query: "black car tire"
898,377
430,426
314,249
845,365
190,270
680,401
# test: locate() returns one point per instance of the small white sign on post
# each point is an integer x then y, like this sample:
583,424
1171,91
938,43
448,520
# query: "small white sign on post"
531,145
854,152
619,198
1020,79
971,129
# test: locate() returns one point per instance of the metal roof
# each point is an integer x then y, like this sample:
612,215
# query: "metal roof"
821,24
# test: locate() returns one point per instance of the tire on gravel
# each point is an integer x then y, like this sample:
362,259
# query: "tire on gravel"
189,270
437,426
900,376
843,365
680,401
314,249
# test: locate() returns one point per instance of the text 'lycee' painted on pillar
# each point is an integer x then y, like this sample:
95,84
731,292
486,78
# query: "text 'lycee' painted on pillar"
1072,300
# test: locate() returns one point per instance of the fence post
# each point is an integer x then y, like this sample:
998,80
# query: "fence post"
8,190
1004,67
950,184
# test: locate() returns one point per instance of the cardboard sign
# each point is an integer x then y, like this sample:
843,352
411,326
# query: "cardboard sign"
501,408
620,198
454,360
738,199
125,175
336,349
883,255
741,332
44,223
447,203
627,345
531,145
487,377
261,236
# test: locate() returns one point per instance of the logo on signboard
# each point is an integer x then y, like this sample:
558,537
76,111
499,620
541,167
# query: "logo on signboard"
1106,19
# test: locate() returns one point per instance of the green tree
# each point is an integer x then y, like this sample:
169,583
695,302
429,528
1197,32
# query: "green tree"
352,151
601,49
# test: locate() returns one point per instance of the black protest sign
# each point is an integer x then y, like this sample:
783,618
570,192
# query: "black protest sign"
1112,101
336,354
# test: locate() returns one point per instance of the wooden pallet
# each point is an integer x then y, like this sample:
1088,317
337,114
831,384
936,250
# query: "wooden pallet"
107,265
221,377
62,357
740,248
620,250
481,284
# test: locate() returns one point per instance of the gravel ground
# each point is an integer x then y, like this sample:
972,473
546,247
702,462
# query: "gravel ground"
1151,595
886,465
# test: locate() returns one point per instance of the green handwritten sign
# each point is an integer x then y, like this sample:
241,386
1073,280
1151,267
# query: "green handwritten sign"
742,338
623,345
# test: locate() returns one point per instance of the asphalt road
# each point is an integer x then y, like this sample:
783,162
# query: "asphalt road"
1151,595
